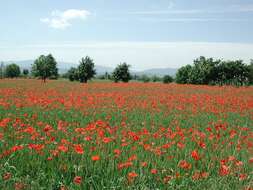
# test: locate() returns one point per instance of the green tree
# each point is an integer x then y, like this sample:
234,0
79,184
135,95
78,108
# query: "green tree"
135,77
145,78
233,73
167,79
86,69
210,71
183,74
72,74
25,72
1,70
45,67
12,71
105,76
156,78
121,73
204,70
250,76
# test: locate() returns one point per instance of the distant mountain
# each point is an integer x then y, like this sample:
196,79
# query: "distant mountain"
158,72
65,66
26,64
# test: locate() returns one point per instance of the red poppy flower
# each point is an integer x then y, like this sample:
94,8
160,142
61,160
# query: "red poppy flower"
95,158
144,164
242,177
78,180
185,165
132,174
117,152
78,148
224,170
153,171
195,155
62,148
16,148
125,165
107,140
133,157
7,176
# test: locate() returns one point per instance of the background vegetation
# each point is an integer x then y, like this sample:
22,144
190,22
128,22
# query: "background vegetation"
204,71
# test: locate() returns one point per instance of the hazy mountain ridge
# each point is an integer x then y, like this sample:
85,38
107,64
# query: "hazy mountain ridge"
65,66
157,72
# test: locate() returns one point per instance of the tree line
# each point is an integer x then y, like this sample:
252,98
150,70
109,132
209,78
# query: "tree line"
203,71
216,72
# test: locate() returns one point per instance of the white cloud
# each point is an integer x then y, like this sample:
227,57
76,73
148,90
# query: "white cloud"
234,8
154,19
162,12
62,20
242,7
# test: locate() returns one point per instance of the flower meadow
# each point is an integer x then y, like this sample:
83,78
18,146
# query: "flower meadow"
102,135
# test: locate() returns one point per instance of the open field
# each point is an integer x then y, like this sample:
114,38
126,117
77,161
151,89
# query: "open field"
63,135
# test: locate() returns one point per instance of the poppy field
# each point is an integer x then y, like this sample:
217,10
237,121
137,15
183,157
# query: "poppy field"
101,135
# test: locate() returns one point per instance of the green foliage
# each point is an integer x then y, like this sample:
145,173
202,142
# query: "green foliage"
64,75
25,72
210,71
232,73
203,71
105,76
250,67
156,78
183,74
167,79
121,73
72,74
145,78
12,71
135,77
1,70
45,67
86,69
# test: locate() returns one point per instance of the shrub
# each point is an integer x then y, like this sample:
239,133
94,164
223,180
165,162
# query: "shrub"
12,71
121,73
167,79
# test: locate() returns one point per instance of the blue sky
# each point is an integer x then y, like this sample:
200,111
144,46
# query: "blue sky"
144,33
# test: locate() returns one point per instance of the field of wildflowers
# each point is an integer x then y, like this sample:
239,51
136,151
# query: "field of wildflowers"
63,135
